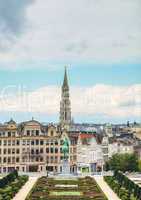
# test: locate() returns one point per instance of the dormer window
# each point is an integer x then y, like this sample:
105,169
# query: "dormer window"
52,133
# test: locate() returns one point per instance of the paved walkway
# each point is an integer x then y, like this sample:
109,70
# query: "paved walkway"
22,194
106,189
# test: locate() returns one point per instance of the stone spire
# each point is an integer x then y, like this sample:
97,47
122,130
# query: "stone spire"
65,83
65,105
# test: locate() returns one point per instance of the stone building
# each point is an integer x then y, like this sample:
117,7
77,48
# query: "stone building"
31,147
89,153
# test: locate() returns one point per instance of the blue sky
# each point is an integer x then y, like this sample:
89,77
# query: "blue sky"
100,41
80,74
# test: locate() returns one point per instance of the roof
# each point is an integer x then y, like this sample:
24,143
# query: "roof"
83,135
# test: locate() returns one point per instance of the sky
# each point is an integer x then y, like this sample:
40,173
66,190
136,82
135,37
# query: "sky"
100,43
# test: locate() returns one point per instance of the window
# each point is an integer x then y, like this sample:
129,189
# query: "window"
5,142
0,151
9,151
9,159
56,142
13,151
41,142
32,151
51,150
13,142
17,159
47,158
28,132
17,142
17,151
47,142
32,132
51,159
0,142
51,142
32,142
52,133
4,151
56,150
37,132
47,150
9,134
41,159
4,159
61,142
41,150
9,142
37,142
37,151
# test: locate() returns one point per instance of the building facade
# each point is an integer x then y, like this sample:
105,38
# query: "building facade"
89,153
32,147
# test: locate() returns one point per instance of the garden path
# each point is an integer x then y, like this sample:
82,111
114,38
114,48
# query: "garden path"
105,188
22,194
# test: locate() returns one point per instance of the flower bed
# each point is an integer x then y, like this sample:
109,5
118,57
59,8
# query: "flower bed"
8,191
87,189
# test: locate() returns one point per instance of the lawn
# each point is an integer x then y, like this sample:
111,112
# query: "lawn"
51,189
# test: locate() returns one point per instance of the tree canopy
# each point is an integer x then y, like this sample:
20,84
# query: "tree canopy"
123,162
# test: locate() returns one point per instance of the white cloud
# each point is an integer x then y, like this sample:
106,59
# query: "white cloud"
107,100
99,30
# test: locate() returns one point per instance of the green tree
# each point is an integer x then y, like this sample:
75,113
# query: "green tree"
123,162
139,165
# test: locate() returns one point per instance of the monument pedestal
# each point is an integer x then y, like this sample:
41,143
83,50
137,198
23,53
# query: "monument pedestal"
65,168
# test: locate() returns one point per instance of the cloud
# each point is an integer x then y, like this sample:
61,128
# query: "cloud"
96,30
102,100
12,20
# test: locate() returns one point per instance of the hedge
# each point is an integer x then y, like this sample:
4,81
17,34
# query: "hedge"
125,188
10,190
8,179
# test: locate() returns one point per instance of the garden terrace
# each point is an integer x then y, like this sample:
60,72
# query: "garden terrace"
78,189
125,188
11,184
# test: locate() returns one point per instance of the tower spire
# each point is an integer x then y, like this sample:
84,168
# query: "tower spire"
65,83
65,105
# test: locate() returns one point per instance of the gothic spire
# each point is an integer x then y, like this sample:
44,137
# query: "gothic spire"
65,83
65,104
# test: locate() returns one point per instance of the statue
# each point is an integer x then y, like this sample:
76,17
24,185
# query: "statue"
65,148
